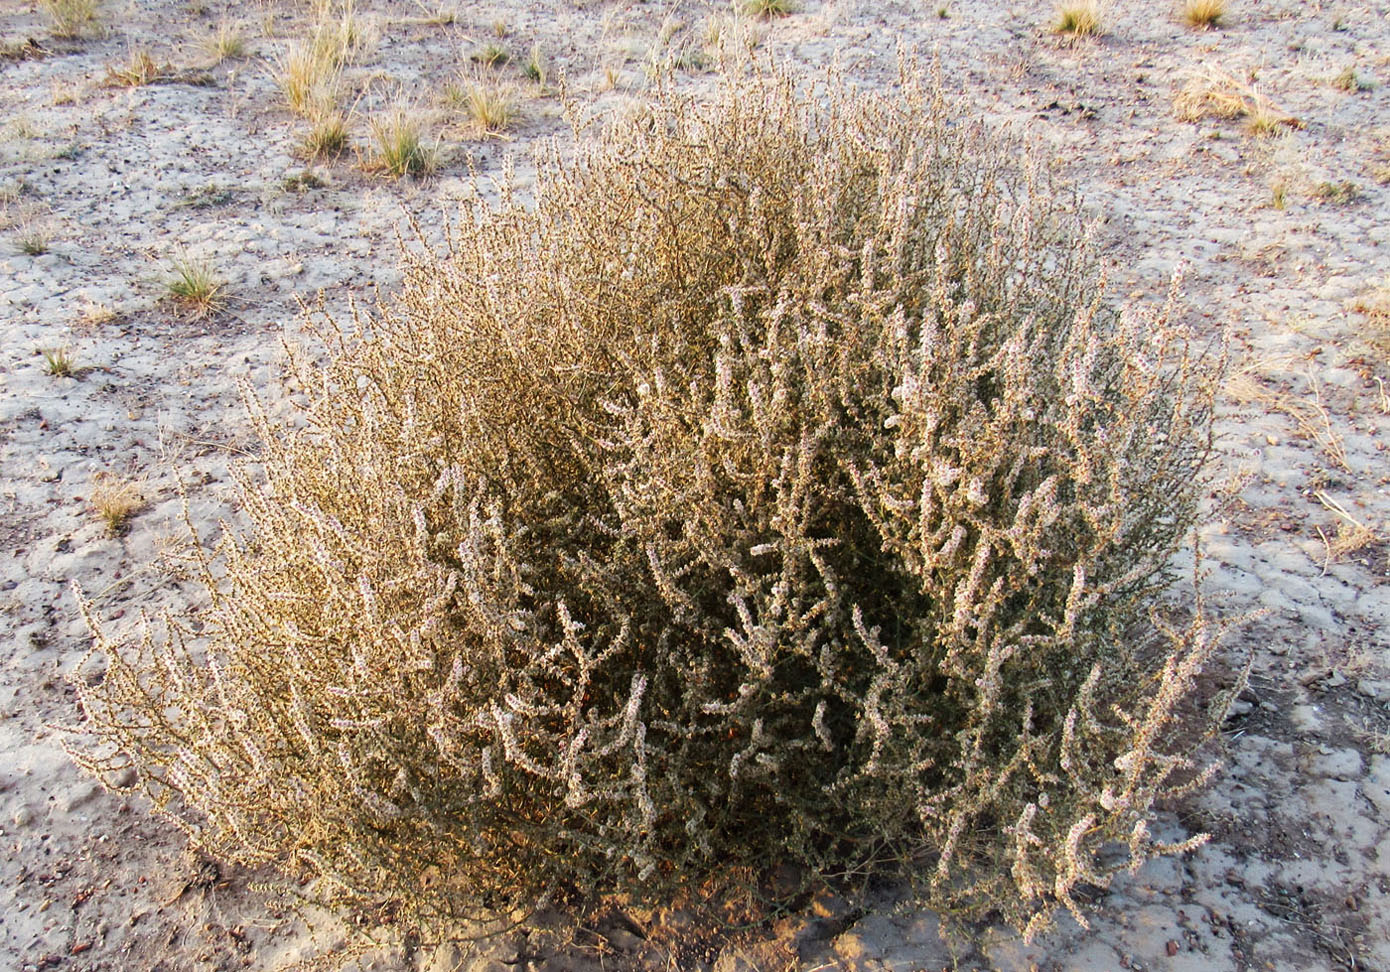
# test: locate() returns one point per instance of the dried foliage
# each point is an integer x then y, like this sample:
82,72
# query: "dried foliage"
115,500
1219,94
1202,14
70,17
776,486
1079,18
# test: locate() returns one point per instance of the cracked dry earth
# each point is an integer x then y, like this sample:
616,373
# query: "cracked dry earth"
1279,219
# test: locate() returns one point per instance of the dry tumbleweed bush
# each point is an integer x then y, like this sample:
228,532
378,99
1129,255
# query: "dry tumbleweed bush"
776,486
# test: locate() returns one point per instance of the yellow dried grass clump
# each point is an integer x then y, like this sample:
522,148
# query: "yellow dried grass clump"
1079,18
1202,14
775,487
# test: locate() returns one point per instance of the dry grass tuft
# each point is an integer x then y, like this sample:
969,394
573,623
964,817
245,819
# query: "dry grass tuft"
491,106
226,42
1350,81
327,137
115,501
1350,537
399,145
309,71
58,362
70,18
536,68
308,77
33,238
1339,193
441,15
1202,14
139,69
490,55
774,487
1375,305
1217,94
769,9
195,286
1079,18
95,314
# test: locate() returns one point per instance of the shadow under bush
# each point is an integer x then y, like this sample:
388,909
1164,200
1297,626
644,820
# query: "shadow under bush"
772,485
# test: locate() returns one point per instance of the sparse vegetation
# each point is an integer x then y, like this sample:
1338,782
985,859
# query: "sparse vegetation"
399,143
490,55
308,77
70,18
304,181
1217,94
327,137
33,239
139,69
195,286
1339,193
95,314
1350,81
439,16
310,70
115,501
1374,303
58,362
769,9
1079,18
226,42
490,105
774,488
536,69
1203,14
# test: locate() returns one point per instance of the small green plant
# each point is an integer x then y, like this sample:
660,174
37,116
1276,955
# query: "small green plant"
1202,14
1078,18
194,285
70,17
399,143
226,42
769,9
490,55
139,69
58,362
327,137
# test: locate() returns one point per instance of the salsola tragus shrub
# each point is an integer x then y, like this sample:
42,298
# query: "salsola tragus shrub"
773,485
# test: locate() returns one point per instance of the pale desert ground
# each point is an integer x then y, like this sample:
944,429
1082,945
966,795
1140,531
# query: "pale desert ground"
1284,234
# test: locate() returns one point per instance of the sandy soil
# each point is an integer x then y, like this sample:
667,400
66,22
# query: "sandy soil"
1286,245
